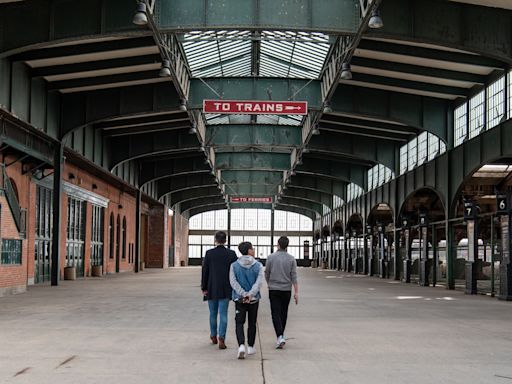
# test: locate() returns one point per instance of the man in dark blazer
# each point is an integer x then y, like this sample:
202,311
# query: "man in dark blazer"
216,287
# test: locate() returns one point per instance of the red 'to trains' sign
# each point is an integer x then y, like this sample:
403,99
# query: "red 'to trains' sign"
248,107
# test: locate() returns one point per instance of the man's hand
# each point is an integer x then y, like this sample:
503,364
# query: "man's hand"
296,298
205,293
247,299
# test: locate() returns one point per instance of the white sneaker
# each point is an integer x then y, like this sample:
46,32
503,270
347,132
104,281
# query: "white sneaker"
280,342
251,350
241,352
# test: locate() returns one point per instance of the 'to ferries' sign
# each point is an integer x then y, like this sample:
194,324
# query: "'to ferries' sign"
240,199
248,107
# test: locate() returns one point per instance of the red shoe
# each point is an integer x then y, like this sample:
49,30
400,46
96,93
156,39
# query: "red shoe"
214,339
222,344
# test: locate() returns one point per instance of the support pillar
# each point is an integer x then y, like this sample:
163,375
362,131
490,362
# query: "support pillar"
138,204
450,255
229,228
471,270
58,163
396,239
435,256
505,292
272,229
408,256
367,250
382,252
424,259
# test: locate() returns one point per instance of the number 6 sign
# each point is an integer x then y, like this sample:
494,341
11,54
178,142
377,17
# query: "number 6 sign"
502,207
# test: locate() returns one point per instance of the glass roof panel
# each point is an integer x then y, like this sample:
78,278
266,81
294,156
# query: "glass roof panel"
281,53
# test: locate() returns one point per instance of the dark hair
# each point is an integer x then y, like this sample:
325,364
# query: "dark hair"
283,242
220,237
244,247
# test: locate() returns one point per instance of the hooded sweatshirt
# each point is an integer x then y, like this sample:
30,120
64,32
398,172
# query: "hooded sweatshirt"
246,277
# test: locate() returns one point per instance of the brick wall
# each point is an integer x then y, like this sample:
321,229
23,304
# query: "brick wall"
158,247
15,278
180,240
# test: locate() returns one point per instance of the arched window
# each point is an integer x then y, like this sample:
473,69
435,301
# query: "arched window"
118,236
111,235
124,238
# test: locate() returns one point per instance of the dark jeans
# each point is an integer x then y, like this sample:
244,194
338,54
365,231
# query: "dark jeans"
279,302
243,311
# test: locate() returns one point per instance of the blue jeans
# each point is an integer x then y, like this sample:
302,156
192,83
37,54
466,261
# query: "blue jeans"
218,307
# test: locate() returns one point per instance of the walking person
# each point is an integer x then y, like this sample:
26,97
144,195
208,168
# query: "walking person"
216,288
246,277
281,275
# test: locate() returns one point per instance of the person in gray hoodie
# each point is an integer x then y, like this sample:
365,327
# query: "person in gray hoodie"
281,275
246,277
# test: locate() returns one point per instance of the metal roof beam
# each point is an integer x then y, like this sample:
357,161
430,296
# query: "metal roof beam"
253,135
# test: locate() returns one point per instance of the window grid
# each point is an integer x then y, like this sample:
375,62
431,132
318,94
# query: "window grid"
403,159
412,153
509,94
476,114
422,147
11,252
495,102
461,124
433,146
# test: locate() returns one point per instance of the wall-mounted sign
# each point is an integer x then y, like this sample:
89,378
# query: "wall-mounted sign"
470,210
502,207
251,107
243,199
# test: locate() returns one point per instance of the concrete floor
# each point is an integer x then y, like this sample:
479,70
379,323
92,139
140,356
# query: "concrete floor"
153,328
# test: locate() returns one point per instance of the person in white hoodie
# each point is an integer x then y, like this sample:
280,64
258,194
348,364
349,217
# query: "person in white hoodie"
246,277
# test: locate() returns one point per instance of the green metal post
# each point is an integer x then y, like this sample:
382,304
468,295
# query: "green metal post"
58,163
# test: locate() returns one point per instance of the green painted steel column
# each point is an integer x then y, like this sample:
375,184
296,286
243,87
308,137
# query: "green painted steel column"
471,270
435,256
229,227
506,263
450,255
408,256
272,228
138,204
398,264
58,162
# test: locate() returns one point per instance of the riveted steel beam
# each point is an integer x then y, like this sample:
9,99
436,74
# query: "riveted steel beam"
418,70
337,16
250,189
171,167
320,184
308,195
306,204
192,194
420,112
125,148
269,136
200,202
367,148
445,91
477,29
243,88
81,109
334,169
280,207
183,183
330,120
252,177
253,161
119,64
108,81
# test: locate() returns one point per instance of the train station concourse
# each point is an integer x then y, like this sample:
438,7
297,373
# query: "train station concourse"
376,135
